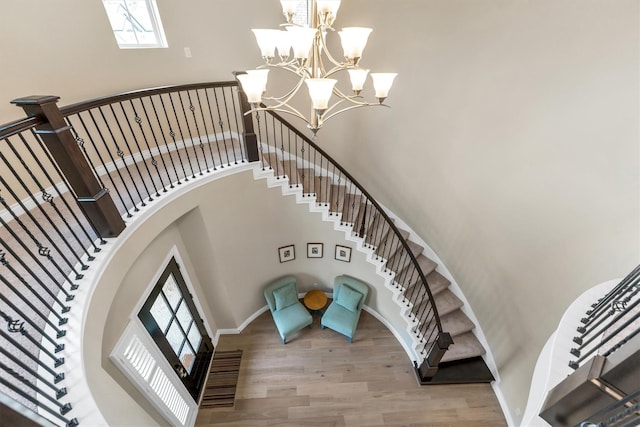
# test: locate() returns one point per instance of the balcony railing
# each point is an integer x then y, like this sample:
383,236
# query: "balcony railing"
72,177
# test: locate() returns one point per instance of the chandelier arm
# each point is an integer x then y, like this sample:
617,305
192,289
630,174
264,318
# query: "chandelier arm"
280,100
289,110
349,98
344,98
292,112
331,58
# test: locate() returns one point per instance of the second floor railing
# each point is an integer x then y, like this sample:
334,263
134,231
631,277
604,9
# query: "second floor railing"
71,177
611,322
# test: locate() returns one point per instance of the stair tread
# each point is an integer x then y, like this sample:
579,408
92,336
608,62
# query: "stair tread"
437,282
446,302
456,323
408,274
465,346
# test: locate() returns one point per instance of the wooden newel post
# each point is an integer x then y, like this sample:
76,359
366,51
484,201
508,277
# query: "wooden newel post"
248,134
429,367
94,200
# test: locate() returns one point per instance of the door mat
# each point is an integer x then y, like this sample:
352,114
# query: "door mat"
220,390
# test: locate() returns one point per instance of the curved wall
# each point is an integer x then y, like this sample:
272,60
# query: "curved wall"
227,232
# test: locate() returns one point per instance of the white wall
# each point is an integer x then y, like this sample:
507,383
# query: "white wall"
227,233
511,147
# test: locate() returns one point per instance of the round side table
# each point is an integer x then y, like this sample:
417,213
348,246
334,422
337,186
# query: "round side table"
315,300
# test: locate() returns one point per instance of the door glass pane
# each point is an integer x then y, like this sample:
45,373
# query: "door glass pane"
184,316
175,337
172,292
161,313
187,357
195,337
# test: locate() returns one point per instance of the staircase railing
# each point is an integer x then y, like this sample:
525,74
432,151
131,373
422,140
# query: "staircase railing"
72,176
611,322
59,169
332,186
603,389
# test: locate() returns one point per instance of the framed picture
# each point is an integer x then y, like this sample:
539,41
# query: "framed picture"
343,253
287,253
314,250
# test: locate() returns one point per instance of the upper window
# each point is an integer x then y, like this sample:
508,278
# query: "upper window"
135,23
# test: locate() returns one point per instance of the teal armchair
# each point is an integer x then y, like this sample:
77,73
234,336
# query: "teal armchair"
343,313
288,312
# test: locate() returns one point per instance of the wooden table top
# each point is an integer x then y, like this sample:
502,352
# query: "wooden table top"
315,299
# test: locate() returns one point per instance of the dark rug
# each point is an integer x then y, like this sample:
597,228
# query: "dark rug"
220,390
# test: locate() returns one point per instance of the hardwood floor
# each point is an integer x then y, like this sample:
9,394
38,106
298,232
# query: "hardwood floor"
319,379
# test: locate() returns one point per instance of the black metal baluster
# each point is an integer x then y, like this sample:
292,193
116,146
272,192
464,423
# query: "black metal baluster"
29,319
81,142
59,391
33,256
206,131
167,146
4,262
172,134
15,326
226,109
237,112
259,138
90,239
214,132
184,141
154,162
195,123
224,139
43,250
133,159
119,153
191,138
46,198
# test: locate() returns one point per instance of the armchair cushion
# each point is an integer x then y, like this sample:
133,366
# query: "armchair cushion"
349,298
285,296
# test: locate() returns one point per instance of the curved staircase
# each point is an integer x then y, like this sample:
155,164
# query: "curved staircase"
349,209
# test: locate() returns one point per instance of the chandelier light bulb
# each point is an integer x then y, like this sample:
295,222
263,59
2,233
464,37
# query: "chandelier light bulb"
267,41
327,11
284,45
253,85
301,41
358,77
354,40
320,91
382,84
289,8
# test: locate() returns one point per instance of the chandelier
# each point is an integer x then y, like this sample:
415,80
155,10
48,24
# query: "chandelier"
302,50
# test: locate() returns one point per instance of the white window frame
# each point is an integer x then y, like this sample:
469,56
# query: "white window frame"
156,27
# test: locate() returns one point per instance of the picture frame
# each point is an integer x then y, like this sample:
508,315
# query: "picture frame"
315,250
287,253
343,253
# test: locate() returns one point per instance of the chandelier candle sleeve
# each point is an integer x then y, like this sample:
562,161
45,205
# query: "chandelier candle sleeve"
303,50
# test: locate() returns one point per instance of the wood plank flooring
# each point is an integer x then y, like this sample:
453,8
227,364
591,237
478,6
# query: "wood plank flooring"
319,379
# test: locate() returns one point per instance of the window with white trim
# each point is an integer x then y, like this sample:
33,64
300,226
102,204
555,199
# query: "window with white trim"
135,23
173,322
